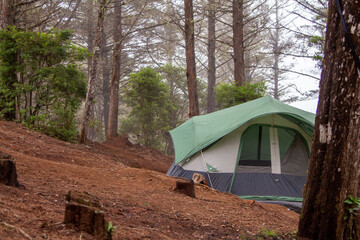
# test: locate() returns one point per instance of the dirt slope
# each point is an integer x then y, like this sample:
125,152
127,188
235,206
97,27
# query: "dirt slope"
138,199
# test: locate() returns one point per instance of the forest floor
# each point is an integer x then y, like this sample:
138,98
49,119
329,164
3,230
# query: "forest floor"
130,180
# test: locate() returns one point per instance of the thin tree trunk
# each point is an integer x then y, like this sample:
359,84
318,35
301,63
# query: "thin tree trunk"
72,15
90,31
169,30
238,39
211,58
334,168
190,59
92,124
93,70
115,77
106,82
276,52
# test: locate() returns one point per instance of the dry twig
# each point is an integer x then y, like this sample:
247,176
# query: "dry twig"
19,230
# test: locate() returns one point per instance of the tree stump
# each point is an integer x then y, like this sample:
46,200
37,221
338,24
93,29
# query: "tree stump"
84,212
8,174
185,186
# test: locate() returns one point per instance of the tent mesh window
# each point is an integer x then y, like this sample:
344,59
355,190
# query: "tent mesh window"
294,153
256,154
256,147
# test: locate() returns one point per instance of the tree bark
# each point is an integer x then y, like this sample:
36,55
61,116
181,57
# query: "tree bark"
7,13
93,71
115,77
90,15
238,42
211,58
334,168
106,82
190,59
276,52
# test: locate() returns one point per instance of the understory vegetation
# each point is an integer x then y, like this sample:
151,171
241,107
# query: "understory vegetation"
40,82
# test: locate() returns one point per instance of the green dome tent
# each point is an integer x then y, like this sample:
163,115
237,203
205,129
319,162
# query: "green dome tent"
256,150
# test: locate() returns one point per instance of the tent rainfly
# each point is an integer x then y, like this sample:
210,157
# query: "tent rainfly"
257,150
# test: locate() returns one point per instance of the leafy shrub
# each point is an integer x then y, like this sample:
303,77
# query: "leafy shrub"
40,83
149,99
228,95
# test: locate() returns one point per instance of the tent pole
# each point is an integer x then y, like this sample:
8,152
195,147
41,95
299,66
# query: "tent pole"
202,155
236,165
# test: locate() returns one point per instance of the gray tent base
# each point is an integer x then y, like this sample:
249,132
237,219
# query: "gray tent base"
220,181
279,189
293,206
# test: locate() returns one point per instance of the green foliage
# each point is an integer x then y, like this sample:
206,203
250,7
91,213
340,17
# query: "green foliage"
228,95
127,125
110,229
265,233
175,78
353,205
268,232
318,42
149,99
62,124
40,84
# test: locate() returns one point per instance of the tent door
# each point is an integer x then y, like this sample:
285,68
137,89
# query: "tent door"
260,151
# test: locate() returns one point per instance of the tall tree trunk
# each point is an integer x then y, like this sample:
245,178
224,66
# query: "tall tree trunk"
334,168
93,71
90,30
211,58
170,34
90,14
247,49
115,77
190,59
238,39
91,135
106,82
276,52
7,13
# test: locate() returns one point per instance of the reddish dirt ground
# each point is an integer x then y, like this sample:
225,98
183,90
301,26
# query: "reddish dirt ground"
129,180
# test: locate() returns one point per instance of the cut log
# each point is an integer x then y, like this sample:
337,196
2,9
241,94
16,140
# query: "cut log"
8,174
84,212
199,178
185,186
